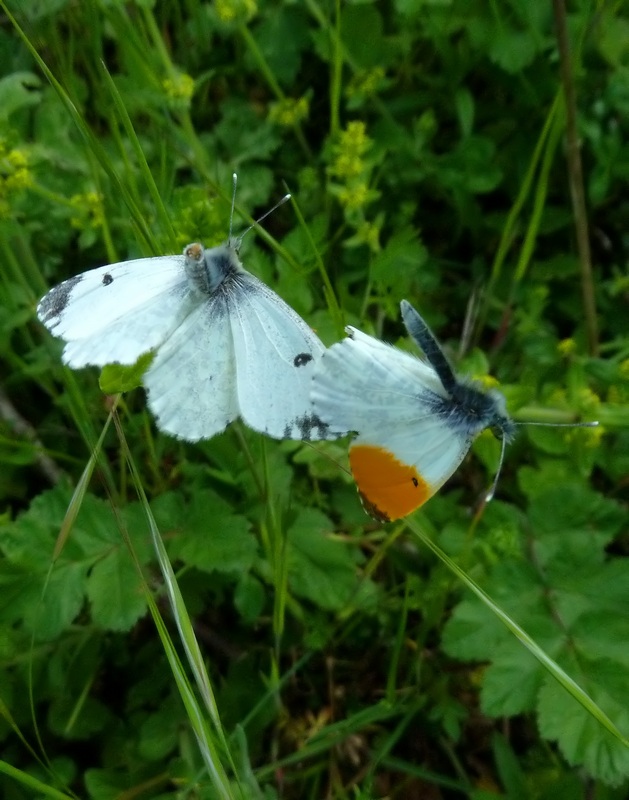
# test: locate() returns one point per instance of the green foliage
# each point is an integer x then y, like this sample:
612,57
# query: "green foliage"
423,144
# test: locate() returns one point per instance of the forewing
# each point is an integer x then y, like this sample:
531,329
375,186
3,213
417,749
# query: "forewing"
276,353
191,383
117,312
362,384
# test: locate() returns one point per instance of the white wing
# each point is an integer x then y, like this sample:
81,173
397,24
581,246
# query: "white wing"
192,381
115,313
276,353
387,397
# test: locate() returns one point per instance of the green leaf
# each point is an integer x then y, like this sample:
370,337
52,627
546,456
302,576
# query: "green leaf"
114,589
160,731
512,50
249,598
577,609
320,569
286,25
399,261
213,538
512,682
116,378
571,521
581,738
18,90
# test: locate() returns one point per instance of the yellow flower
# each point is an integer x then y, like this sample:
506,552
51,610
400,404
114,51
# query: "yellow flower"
347,165
179,90
289,112
588,399
22,178
355,196
366,83
88,208
369,234
567,347
230,10
486,382
17,175
592,436
348,151
17,159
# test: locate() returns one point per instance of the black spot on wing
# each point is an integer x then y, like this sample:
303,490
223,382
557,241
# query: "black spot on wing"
107,279
302,359
305,426
52,305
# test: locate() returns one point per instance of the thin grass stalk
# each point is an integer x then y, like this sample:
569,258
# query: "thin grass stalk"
42,789
206,739
575,176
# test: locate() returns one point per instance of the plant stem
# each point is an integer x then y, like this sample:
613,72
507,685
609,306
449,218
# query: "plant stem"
575,175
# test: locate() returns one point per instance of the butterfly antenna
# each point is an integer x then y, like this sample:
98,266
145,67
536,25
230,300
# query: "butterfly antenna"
593,424
231,216
264,216
492,491
490,494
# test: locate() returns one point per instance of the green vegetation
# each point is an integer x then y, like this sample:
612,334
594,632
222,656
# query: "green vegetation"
296,648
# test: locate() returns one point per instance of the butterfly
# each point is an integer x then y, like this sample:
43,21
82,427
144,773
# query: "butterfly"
225,345
414,420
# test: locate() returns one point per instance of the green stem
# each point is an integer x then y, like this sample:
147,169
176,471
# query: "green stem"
575,176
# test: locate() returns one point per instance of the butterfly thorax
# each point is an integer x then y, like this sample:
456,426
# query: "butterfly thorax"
471,410
209,269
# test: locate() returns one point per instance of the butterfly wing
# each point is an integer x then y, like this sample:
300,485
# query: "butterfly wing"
115,313
404,450
191,383
275,353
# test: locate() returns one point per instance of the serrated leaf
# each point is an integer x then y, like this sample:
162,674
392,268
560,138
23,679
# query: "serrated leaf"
319,569
580,737
399,261
574,519
52,605
114,589
49,599
213,538
116,378
282,36
511,683
473,632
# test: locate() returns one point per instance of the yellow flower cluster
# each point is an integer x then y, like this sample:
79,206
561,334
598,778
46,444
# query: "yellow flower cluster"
567,348
15,175
289,112
352,171
366,84
179,90
88,210
231,10
348,153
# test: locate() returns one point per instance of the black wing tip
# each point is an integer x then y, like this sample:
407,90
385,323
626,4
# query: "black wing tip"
51,307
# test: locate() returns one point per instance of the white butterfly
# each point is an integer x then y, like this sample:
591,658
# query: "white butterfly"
414,419
225,344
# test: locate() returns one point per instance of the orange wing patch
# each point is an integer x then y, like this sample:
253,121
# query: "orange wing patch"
388,488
